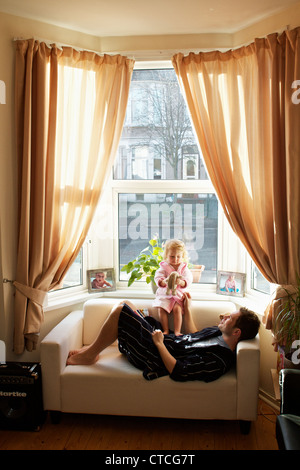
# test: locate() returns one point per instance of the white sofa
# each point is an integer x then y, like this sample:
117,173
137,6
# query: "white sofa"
113,386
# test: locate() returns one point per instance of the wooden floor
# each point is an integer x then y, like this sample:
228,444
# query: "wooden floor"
92,432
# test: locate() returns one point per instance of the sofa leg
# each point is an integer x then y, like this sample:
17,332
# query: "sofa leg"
55,417
245,426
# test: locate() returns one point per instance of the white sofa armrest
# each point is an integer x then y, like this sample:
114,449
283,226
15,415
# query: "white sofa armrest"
247,370
67,335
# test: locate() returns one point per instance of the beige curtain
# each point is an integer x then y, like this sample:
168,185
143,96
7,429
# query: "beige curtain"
244,109
70,108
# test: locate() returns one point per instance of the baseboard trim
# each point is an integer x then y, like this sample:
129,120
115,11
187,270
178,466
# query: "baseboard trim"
269,399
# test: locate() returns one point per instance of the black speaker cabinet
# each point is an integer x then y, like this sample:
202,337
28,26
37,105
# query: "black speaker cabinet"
21,401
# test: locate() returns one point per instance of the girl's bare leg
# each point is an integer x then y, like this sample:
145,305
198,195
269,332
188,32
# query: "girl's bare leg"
107,335
177,313
164,320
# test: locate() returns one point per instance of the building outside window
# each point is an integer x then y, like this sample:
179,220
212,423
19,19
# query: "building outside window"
258,282
158,143
157,140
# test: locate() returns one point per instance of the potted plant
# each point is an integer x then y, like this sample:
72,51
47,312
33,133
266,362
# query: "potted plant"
197,270
287,327
146,263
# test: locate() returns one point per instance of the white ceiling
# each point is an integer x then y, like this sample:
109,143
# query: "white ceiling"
147,17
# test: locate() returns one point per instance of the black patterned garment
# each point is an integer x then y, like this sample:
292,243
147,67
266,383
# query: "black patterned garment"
203,355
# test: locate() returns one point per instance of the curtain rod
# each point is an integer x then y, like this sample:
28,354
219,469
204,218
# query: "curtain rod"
147,55
144,56
140,55
60,45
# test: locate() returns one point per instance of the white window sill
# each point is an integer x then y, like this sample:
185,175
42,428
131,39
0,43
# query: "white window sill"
253,300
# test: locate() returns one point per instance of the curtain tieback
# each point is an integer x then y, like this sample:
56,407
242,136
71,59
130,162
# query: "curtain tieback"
276,300
35,295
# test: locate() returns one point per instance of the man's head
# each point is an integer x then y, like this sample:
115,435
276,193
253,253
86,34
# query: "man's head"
240,325
248,322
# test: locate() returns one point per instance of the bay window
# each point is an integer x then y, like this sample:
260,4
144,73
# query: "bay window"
159,187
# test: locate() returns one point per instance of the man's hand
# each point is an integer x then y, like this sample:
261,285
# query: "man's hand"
186,300
158,337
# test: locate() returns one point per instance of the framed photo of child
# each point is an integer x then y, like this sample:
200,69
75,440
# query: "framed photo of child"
231,283
101,280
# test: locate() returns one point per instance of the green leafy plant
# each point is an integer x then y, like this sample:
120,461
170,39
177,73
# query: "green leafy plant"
287,323
146,263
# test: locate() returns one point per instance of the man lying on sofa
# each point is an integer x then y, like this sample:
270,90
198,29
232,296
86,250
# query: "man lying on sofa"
199,355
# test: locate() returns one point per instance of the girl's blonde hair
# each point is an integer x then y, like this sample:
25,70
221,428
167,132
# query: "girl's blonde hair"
175,245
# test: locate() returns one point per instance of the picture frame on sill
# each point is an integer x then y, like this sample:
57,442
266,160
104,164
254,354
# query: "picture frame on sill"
101,280
231,283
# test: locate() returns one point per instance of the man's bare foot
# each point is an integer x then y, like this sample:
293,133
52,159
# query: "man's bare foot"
75,351
81,357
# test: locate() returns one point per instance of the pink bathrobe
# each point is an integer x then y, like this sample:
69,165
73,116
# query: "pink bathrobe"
167,301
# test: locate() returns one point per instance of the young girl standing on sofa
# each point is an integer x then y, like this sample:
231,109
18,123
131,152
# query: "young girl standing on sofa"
175,257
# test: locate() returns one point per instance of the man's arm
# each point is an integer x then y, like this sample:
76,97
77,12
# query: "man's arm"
190,326
167,358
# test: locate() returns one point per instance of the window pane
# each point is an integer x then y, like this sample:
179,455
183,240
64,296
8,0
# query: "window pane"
157,140
192,218
74,275
259,282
